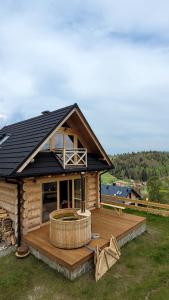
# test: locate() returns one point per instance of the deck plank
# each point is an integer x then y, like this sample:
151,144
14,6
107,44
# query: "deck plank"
104,222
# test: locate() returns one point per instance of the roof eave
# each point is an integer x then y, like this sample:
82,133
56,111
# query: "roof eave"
64,171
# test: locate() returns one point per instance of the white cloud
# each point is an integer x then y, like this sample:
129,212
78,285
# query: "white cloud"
112,57
2,117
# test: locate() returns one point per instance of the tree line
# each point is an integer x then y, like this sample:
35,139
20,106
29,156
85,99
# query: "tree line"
140,165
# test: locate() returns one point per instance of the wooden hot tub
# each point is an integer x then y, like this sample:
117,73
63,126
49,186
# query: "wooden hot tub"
69,228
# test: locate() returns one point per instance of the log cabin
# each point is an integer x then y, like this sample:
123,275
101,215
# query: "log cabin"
41,164
53,162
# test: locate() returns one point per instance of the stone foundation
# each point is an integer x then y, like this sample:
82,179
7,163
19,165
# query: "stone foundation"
70,274
88,265
132,235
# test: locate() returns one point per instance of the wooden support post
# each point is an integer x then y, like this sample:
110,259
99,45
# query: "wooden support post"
98,191
83,193
73,194
58,194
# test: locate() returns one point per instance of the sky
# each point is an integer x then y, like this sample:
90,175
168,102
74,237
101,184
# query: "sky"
111,57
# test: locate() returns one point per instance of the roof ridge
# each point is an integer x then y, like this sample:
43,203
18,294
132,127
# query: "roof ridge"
38,116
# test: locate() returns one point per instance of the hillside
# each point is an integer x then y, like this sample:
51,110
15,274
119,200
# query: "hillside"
141,165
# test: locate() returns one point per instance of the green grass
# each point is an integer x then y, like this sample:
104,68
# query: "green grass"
107,178
141,273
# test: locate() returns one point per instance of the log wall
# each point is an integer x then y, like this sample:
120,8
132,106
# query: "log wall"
31,212
8,200
92,190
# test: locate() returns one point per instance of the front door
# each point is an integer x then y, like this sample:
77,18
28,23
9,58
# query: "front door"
65,193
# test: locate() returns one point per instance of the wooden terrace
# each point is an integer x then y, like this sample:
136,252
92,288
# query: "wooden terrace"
104,221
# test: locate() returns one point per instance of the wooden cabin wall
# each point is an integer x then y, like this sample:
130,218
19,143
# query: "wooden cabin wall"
8,200
92,191
32,197
31,212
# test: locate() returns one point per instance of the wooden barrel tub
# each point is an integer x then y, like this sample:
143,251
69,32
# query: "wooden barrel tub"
69,229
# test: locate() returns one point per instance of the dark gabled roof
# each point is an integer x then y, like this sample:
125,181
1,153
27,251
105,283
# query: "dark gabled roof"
46,163
120,191
25,137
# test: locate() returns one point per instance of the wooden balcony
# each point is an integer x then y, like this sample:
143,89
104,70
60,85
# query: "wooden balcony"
72,157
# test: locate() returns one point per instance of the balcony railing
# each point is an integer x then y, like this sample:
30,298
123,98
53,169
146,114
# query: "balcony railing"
72,157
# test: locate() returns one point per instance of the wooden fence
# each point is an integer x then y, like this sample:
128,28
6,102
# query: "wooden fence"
141,205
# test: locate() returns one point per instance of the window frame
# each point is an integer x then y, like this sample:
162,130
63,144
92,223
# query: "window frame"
4,138
57,182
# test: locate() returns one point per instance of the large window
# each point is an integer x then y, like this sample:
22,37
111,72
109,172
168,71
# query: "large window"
65,193
69,141
64,141
77,193
49,199
59,140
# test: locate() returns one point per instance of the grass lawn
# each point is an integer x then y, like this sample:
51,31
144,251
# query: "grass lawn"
141,273
107,178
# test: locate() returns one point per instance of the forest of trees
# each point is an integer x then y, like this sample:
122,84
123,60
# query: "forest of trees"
141,165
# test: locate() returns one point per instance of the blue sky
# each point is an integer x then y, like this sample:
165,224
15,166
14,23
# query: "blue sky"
111,57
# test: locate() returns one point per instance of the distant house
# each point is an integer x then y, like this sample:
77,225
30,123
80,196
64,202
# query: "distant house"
120,191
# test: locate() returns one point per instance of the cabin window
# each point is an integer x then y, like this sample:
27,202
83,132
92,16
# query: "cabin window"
65,190
49,199
64,140
77,193
69,141
68,191
3,138
59,140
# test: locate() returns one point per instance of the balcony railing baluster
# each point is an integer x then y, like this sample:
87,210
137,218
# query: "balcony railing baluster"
72,157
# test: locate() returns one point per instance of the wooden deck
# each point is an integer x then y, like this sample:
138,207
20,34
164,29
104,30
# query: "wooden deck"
104,222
